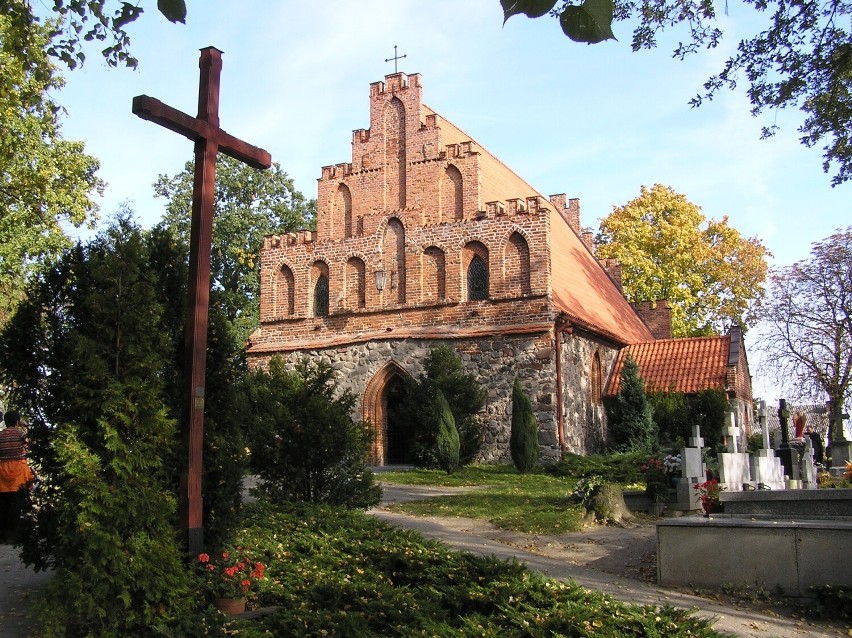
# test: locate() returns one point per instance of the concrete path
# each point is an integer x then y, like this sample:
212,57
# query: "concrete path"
741,620
19,588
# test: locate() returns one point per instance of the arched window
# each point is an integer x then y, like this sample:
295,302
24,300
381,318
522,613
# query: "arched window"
596,379
321,297
477,279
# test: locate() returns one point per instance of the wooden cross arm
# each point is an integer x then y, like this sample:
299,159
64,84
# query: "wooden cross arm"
149,108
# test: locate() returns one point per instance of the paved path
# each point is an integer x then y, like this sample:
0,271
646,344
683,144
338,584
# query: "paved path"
19,588
741,620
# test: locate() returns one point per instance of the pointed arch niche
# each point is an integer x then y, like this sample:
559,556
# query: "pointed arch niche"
395,153
393,260
285,291
355,283
517,266
433,285
391,437
452,195
343,209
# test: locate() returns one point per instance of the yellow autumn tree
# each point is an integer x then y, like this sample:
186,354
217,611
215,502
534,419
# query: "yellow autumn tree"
708,272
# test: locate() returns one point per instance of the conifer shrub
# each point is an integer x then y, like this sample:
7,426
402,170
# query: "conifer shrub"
102,515
464,395
629,414
306,446
523,441
447,440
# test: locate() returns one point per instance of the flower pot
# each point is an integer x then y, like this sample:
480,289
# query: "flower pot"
657,509
230,606
711,507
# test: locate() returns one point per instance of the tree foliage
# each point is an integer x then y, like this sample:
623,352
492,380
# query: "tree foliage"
442,372
523,437
46,181
72,23
801,57
248,204
706,270
629,414
92,353
447,439
464,394
807,316
675,413
306,446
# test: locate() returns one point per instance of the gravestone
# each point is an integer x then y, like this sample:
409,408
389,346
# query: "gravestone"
841,447
788,455
734,466
809,472
692,471
766,467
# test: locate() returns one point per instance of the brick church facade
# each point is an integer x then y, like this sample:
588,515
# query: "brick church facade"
425,238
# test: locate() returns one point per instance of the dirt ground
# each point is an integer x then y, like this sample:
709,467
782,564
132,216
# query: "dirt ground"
630,552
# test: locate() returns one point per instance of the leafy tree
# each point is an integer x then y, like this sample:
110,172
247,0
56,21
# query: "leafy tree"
801,56
306,445
447,440
523,439
248,205
103,515
671,416
706,270
74,22
45,181
675,413
463,393
807,319
629,415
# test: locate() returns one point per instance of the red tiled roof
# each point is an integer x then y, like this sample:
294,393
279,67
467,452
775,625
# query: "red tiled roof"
681,365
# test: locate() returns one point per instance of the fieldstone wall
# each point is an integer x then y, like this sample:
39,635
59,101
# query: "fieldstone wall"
493,361
585,420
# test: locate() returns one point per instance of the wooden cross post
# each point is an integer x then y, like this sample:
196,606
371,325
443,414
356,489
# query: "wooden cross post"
209,140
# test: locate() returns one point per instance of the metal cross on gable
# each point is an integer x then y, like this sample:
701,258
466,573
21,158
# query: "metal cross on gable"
395,58
209,140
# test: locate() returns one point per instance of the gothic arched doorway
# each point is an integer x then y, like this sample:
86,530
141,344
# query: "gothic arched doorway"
392,435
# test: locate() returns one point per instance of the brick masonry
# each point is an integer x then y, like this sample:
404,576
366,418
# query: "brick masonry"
416,206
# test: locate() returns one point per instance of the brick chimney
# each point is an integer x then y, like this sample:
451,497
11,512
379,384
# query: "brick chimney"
657,316
613,269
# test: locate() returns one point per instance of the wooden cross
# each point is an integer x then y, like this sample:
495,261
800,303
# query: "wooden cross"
209,140
395,58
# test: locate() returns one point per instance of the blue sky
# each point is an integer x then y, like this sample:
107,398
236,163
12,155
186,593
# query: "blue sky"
594,122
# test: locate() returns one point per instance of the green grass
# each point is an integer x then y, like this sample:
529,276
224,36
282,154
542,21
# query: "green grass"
333,572
534,503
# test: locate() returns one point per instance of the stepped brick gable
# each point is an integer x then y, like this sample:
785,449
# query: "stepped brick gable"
425,238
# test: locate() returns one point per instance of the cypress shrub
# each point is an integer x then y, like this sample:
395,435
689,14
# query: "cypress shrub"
629,415
523,443
447,440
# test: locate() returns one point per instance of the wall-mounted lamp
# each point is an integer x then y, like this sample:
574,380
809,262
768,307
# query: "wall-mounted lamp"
380,280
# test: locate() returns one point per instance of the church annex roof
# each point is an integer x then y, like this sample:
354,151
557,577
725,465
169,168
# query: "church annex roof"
686,365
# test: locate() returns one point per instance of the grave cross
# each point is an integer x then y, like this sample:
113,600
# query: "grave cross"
837,416
732,432
209,140
395,58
